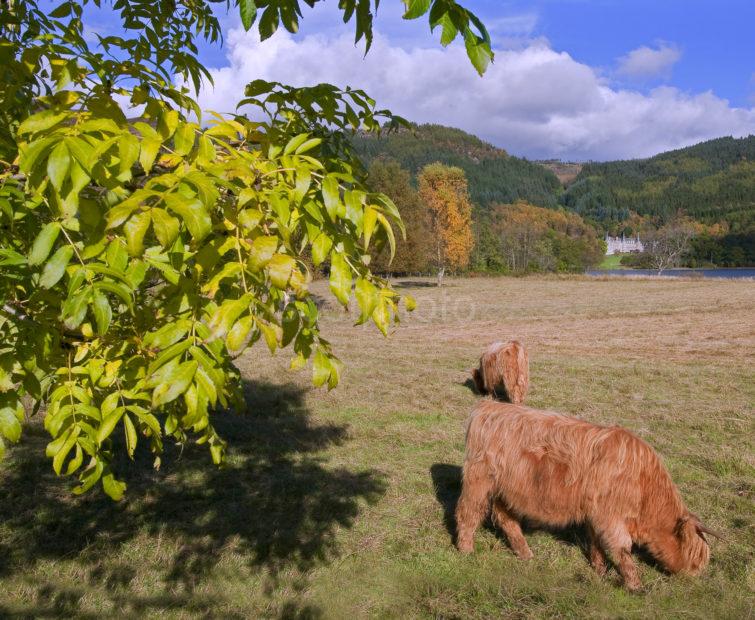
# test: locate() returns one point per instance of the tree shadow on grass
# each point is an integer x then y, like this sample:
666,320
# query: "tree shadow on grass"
276,503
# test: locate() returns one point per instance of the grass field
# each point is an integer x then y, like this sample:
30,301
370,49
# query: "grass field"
338,505
612,262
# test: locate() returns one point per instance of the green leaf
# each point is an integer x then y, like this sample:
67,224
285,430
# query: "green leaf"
271,333
308,145
89,477
148,153
262,251
269,22
60,457
165,227
294,143
128,153
370,219
226,315
76,461
41,121
478,50
416,8
135,229
320,248
410,302
248,11
340,277
131,436
10,425
75,308
184,138
112,487
381,316
43,243
389,233
58,165
193,213
331,196
238,333
174,383
289,324
280,269
108,424
367,298
321,368
55,268
103,314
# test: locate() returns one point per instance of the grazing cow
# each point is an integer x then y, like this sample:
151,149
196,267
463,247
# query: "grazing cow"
504,371
556,470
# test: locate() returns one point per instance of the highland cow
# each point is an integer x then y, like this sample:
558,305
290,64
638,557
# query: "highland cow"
504,371
556,471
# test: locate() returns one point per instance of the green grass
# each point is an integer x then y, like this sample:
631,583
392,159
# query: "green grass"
612,262
338,505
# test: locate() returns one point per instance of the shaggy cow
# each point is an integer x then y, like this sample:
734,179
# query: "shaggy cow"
557,470
504,371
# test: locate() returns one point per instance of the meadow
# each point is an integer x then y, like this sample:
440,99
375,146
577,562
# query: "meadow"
339,504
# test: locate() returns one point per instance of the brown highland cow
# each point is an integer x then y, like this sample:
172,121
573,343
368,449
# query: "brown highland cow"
556,470
504,371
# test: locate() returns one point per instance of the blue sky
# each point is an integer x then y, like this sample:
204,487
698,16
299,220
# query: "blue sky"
575,79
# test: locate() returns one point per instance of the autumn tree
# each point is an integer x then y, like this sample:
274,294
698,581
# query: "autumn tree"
413,254
443,190
537,239
140,257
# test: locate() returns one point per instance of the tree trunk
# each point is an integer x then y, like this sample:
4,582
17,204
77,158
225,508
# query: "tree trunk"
441,272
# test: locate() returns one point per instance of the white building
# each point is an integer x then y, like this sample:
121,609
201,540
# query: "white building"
623,245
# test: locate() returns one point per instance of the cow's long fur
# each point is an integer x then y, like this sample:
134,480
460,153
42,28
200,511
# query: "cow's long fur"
557,470
504,371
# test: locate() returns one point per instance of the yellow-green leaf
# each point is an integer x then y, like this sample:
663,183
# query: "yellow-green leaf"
331,196
108,424
280,269
56,267
135,229
174,383
165,227
367,298
43,243
340,277
262,251
58,165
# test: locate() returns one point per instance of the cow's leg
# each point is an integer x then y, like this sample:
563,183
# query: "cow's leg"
618,544
473,505
597,555
510,526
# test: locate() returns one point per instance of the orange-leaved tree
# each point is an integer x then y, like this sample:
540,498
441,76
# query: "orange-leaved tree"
444,191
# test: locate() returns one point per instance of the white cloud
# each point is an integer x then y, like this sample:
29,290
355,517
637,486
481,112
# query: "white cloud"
533,101
646,62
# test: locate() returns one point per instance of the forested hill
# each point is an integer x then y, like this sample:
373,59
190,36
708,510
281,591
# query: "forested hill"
494,176
711,182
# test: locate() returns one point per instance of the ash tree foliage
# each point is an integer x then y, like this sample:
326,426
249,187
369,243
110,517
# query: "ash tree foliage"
140,256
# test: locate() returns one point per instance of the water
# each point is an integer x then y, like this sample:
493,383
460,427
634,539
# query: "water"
746,272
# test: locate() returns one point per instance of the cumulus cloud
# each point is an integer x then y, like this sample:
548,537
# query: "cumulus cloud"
534,101
646,62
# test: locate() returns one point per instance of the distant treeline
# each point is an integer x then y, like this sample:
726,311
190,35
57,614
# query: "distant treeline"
713,183
493,175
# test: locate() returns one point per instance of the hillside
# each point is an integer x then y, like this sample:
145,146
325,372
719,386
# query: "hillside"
713,181
494,176
566,171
